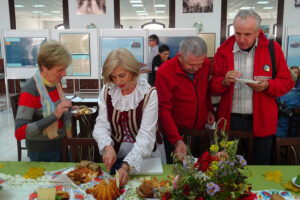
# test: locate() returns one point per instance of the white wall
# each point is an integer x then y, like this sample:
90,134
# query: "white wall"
101,21
4,15
211,21
137,23
291,16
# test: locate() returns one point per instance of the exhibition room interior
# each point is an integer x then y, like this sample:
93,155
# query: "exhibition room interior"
91,29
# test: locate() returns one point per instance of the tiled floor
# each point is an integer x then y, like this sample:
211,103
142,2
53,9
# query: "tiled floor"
8,143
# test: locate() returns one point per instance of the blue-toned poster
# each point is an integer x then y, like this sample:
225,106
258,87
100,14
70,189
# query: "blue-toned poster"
293,51
173,44
22,51
134,44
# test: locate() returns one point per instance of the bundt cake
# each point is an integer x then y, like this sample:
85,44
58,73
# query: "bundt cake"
105,191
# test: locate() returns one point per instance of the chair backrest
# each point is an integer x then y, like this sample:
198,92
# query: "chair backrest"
80,149
205,139
292,151
14,102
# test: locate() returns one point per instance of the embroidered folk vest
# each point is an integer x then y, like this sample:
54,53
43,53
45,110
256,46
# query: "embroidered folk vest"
132,117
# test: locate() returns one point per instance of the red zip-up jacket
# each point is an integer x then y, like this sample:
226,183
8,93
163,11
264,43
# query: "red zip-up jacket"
264,104
182,102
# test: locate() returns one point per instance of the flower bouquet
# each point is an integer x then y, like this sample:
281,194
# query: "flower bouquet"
218,174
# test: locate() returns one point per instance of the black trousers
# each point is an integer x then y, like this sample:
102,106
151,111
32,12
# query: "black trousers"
262,146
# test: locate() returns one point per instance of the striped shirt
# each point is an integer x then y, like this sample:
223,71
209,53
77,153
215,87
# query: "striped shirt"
242,96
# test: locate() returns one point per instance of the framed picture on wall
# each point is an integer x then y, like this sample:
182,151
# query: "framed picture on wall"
297,3
210,39
197,6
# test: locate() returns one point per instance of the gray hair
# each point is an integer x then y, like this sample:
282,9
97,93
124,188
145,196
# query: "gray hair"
244,14
192,45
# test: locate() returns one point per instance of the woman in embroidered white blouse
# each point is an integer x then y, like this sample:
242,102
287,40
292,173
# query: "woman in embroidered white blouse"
125,128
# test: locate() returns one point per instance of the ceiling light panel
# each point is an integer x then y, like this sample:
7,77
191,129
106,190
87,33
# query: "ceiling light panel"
39,6
247,8
268,8
137,5
262,2
19,6
159,5
135,1
55,11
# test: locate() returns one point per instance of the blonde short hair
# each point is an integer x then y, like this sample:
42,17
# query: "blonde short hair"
120,58
53,53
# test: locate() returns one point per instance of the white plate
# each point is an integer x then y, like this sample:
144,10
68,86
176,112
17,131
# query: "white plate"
294,182
76,112
247,81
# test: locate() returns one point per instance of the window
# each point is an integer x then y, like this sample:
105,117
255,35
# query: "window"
38,14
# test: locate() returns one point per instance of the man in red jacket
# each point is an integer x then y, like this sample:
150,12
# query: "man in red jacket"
250,106
183,97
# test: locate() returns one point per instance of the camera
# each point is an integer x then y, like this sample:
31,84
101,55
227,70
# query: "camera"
283,110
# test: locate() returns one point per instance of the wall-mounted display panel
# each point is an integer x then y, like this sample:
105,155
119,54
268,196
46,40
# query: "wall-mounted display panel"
21,50
82,44
292,46
210,39
173,37
134,40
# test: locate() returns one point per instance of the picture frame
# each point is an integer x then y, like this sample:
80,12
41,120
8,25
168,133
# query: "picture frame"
210,39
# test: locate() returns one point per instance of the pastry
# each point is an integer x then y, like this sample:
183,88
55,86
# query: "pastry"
105,191
84,172
276,197
146,188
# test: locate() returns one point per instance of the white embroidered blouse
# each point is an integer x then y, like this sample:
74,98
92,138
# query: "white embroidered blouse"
147,133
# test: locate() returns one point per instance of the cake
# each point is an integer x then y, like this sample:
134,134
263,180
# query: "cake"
105,191
84,172
145,190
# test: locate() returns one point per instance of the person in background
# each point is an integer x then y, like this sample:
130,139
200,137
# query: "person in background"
297,72
126,127
182,86
159,59
43,116
250,106
291,100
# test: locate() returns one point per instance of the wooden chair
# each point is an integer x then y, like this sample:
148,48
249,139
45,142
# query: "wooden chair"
14,102
206,138
290,146
292,150
80,149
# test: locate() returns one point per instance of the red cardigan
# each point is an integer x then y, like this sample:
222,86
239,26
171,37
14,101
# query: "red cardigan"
182,102
264,104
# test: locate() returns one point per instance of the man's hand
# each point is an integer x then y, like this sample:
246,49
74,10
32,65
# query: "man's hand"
62,107
124,174
180,150
210,118
109,157
259,87
231,77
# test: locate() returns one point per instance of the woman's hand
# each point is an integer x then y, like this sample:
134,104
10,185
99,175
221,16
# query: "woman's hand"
62,107
124,174
109,157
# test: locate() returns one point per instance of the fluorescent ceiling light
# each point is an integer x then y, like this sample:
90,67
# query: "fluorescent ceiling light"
36,11
268,8
246,8
46,14
262,2
135,1
160,11
39,6
55,11
140,11
142,14
19,6
137,5
159,5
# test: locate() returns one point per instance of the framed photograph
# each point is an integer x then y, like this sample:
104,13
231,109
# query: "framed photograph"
210,39
197,6
91,7
297,3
